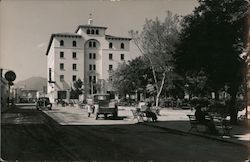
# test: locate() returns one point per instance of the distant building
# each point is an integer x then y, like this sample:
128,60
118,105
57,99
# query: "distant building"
88,54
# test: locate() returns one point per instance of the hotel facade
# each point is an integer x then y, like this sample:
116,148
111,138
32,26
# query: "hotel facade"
88,54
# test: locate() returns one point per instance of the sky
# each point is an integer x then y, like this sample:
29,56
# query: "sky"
26,25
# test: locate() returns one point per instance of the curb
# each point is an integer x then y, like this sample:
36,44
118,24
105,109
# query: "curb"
175,131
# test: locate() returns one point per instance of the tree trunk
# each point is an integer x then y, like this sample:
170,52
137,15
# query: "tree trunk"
160,90
233,110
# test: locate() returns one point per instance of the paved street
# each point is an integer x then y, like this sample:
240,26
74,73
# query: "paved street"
28,134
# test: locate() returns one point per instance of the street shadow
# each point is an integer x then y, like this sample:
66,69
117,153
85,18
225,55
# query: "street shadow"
114,118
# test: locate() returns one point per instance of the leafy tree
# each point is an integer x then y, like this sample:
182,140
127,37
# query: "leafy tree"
131,77
196,83
212,41
76,90
157,44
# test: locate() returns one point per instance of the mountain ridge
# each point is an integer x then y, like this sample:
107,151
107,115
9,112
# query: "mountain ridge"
32,83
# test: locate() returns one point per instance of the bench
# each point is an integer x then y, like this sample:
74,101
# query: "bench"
219,122
222,124
194,123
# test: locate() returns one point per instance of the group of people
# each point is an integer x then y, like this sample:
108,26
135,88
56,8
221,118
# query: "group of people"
146,107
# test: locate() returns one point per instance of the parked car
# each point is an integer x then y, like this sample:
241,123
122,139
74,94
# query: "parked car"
105,106
43,102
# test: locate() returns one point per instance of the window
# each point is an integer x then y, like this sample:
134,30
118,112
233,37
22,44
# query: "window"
61,66
74,78
74,66
61,54
110,78
122,56
94,44
110,45
90,44
90,79
97,32
90,55
94,79
122,45
110,56
88,31
74,43
90,67
61,77
92,31
94,56
74,55
110,67
61,43
93,67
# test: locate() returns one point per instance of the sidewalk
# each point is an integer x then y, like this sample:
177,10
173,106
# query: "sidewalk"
170,119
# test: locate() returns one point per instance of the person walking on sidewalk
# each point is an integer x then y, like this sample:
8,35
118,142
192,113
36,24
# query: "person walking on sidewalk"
88,107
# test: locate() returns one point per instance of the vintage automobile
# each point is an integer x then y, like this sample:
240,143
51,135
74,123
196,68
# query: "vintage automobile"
105,106
43,102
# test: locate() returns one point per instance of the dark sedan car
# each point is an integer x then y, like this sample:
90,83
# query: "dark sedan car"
43,102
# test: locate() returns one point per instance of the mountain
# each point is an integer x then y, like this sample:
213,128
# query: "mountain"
33,83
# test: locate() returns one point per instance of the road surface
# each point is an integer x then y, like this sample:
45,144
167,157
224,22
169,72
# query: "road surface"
28,134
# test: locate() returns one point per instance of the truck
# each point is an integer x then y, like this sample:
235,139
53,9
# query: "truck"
105,106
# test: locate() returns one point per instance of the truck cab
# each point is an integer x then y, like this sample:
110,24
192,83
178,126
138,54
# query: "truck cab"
105,106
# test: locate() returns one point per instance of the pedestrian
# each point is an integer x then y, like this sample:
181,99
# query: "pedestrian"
201,117
93,108
88,107
150,113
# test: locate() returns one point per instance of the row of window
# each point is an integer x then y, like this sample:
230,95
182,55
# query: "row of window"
92,79
111,56
91,55
73,78
121,46
92,31
74,67
62,43
91,67
92,44
73,55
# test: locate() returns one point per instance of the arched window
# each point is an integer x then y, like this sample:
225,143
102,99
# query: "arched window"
97,32
90,44
110,45
61,43
92,31
94,44
74,43
88,31
122,45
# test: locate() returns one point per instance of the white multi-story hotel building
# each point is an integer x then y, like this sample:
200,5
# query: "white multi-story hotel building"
88,54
